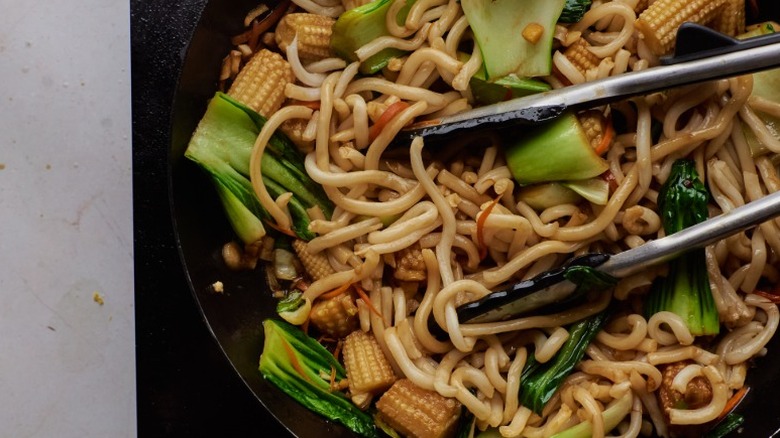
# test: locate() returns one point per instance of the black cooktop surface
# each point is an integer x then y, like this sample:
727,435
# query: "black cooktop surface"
185,385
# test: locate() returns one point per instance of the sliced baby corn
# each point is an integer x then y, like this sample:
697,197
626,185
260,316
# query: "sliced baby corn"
260,84
582,58
316,265
368,370
313,33
416,412
335,317
731,19
659,22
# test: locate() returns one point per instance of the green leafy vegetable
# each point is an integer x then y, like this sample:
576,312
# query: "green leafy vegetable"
612,416
729,424
359,26
546,195
682,202
558,150
595,190
498,27
222,145
587,278
540,381
573,10
766,85
295,363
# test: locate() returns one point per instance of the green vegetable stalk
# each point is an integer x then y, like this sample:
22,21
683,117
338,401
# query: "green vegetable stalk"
682,202
295,363
359,26
558,150
499,27
540,381
222,145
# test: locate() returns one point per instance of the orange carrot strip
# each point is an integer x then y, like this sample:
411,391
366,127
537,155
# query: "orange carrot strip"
768,295
315,104
368,302
287,232
385,118
734,401
333,378
335,292
480,228
294,360
606,139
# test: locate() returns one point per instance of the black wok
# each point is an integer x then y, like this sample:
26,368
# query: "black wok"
177,49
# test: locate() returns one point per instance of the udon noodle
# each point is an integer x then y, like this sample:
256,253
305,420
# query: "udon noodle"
454,205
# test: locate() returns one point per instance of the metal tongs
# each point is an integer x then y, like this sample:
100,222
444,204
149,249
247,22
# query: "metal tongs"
552,287
701,54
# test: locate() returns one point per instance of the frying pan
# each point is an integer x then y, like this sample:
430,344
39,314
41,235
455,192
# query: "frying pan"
177,49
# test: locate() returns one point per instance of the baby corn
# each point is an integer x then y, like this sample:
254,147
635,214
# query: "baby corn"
368,370
416,412
317,265
731,20
335,317
294,129
313,33
659,22
582,58
260,84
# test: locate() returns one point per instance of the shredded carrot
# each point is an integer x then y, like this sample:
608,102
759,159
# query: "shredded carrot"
368,302
333,378
768,295
286,232
337,350
294,360
315,105
609,177
480,228
734,401
606,139
335,292
385,118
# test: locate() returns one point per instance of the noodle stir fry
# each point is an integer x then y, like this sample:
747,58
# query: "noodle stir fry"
369,244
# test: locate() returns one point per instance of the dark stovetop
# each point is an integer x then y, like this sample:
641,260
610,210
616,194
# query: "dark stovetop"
185,385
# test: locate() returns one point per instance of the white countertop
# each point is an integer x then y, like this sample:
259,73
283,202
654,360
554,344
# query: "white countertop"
67,362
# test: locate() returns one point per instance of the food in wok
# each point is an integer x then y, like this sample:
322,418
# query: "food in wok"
365,244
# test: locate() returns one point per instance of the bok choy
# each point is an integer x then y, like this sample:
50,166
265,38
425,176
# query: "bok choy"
222,145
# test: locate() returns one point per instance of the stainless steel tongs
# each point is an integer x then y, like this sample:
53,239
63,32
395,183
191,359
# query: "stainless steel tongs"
552,287
701,54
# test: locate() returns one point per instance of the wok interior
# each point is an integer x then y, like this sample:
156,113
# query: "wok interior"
235,317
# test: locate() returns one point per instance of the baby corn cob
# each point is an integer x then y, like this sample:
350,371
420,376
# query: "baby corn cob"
368,370
293,129
731,20
592,124
641,5
260,84
659,22
416,412
313,33
581,57
335,317
410,265
317,265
